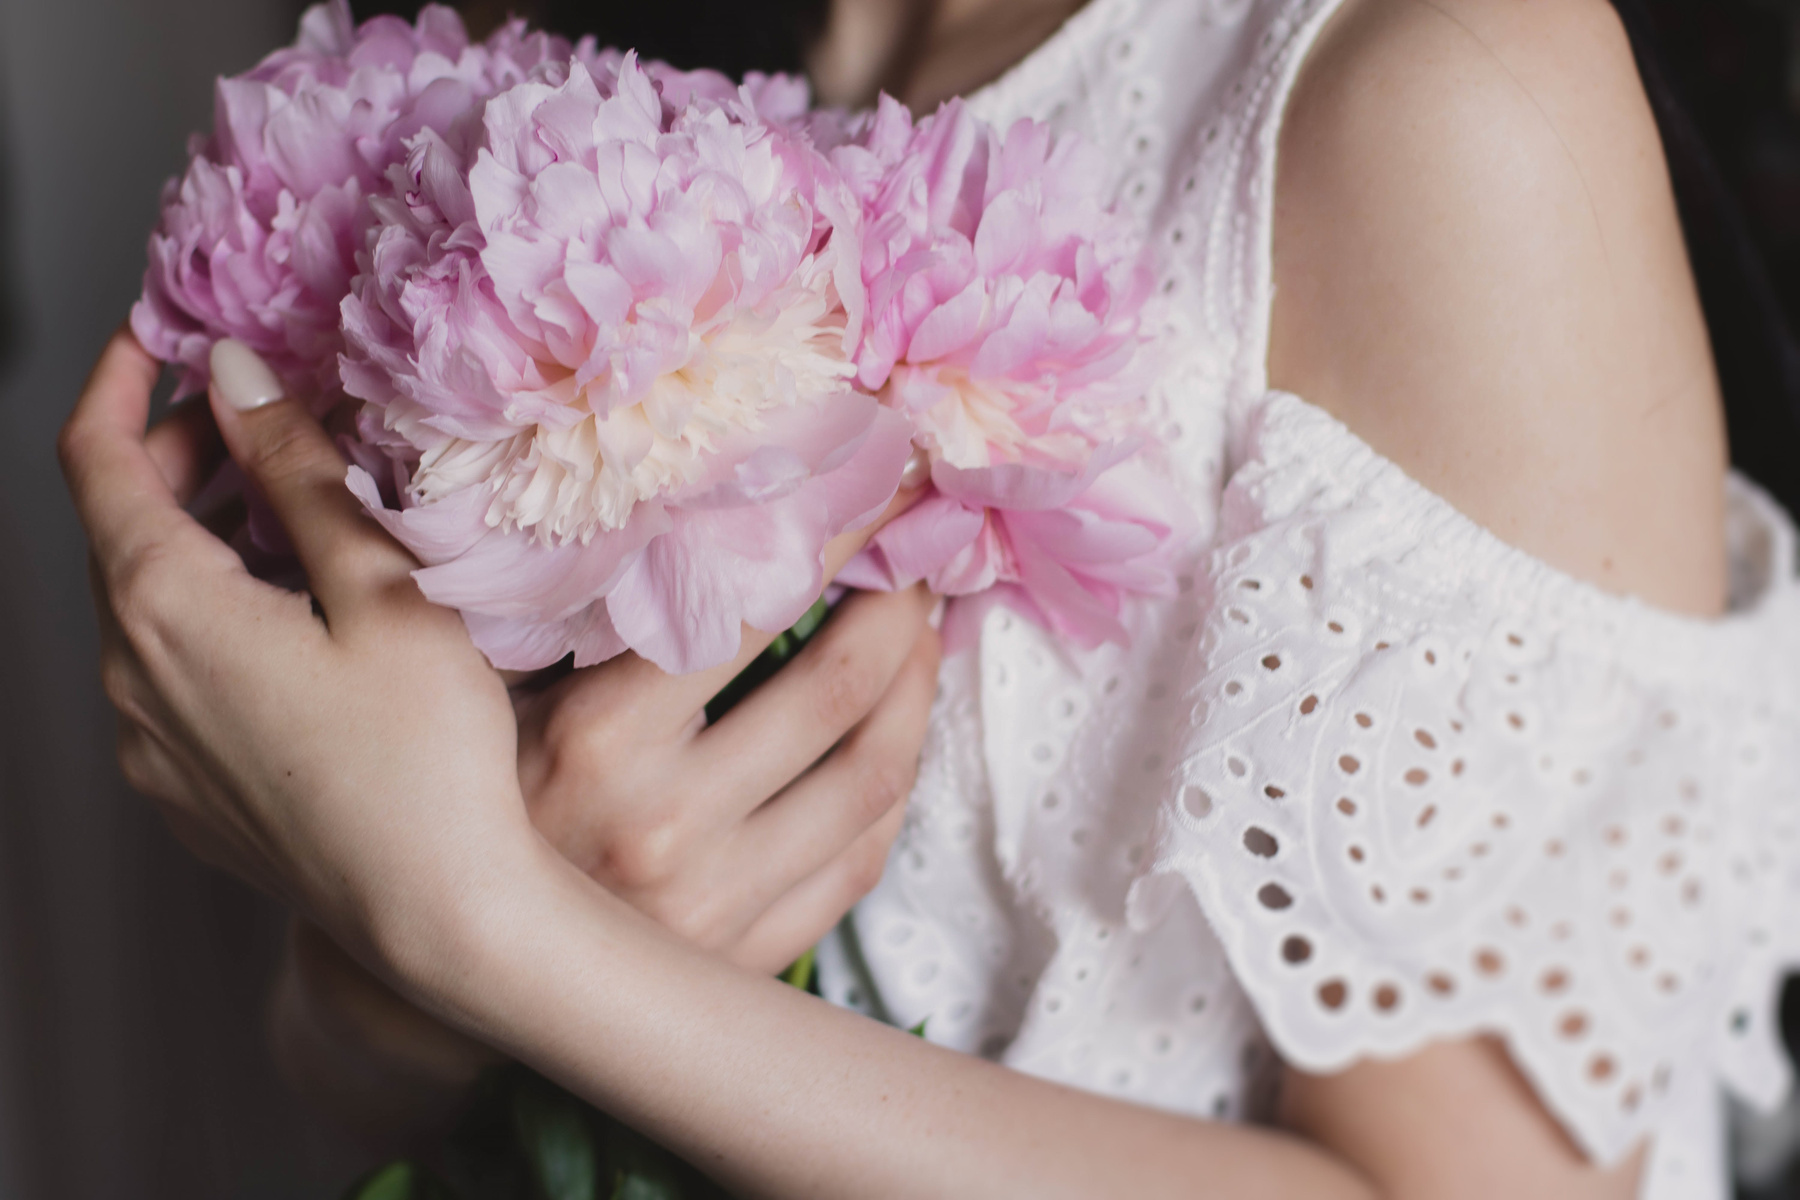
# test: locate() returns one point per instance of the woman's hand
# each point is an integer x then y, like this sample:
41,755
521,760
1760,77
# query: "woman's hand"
350,751
750,838
647,808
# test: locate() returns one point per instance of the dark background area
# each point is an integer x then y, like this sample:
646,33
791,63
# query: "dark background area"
1736,64
131,980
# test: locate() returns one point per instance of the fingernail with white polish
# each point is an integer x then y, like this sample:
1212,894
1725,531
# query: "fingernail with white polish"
242,377
916,473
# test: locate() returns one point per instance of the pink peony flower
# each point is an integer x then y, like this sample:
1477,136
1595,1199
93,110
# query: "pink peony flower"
258,238
1007,320
608,352
634,342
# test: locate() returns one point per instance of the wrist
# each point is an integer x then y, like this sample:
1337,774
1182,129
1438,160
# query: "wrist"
459,953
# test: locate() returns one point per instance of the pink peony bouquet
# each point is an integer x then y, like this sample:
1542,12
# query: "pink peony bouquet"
609,353
258,239
630,345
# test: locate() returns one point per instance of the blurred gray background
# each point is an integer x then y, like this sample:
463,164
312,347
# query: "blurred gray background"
131,980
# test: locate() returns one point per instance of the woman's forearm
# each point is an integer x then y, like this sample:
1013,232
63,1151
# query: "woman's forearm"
777,1094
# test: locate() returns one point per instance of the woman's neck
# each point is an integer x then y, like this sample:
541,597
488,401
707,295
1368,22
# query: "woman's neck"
925,51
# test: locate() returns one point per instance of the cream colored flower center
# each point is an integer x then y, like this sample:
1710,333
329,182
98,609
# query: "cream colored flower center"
570,484
975,424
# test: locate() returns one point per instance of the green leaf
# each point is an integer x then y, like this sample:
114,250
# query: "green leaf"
557,1141
800,975
399,1181
918,1030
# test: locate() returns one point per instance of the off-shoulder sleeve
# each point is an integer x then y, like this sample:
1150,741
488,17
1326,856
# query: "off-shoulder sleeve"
1433,788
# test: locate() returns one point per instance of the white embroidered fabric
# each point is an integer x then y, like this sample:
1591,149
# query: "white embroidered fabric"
1373,778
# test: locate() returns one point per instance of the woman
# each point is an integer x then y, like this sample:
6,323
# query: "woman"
1462,766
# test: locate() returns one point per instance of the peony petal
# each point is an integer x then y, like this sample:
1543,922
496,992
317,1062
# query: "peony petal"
950,326
797,443
986,561
1070,609
1005,234
434,533
918,543
1011,485
682,603
859,490
517,645
507,575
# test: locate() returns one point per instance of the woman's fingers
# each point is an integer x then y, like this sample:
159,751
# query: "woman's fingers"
788,723
134,521
813,908
690,863
288,455
186,448
820,826
868,775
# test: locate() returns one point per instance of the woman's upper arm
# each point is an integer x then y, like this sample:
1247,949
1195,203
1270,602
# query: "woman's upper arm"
1479,269
1455,1121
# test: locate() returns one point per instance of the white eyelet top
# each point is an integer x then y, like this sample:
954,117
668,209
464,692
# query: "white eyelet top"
1374,777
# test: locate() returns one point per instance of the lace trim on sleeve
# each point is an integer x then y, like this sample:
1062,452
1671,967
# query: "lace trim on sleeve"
1435,788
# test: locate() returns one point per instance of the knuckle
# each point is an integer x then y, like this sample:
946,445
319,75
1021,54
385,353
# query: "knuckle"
846,689
586,744
137,763
119,681
69,447
579,796
285,452
588,749
140,586
645,856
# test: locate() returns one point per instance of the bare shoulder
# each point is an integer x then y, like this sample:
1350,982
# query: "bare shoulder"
1479,268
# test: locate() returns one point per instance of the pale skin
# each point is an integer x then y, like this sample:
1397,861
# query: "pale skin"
1478,269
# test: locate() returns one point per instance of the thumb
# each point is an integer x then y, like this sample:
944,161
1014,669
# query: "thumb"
284,450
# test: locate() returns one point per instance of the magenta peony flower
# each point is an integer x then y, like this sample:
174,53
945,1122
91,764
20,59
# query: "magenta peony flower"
257,240
1007,320
606,345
